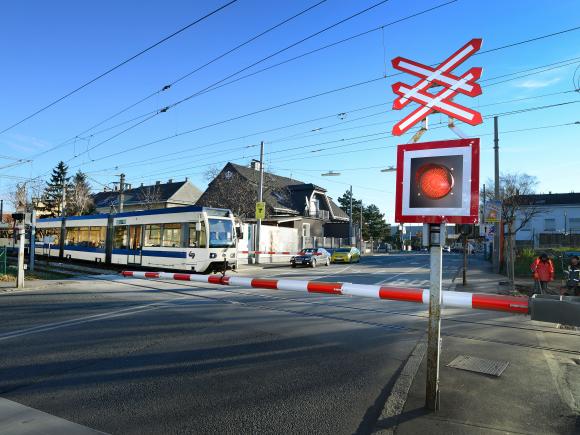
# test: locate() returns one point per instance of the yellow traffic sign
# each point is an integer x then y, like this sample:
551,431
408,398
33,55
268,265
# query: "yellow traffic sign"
260,210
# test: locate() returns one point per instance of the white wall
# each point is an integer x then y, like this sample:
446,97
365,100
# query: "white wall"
272,239
563,216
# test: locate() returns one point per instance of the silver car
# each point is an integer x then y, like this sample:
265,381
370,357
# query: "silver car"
311,257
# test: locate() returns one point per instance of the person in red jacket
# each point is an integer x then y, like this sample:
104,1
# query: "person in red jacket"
543,272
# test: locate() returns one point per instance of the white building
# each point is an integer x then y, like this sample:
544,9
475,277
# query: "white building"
557,222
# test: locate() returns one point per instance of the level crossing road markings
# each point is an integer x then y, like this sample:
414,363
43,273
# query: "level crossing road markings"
441,101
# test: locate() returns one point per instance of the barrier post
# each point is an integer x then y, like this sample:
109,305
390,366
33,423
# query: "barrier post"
436,240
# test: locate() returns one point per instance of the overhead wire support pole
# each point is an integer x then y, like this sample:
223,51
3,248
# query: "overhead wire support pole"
260,198
496,235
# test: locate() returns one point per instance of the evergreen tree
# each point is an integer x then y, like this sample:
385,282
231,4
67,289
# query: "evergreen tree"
344,202
80,200
52,197
374,225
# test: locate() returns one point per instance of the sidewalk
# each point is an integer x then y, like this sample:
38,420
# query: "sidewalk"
538,393
482,279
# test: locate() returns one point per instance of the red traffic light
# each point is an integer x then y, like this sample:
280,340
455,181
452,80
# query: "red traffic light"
434,181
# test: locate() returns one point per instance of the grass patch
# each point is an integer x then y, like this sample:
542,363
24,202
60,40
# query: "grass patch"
32,276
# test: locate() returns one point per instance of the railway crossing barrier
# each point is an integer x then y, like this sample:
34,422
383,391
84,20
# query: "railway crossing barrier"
512,304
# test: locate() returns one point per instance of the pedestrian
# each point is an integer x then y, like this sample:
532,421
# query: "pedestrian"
573,277
543,272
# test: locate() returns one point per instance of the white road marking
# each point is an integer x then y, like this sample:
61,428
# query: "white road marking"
86,319
399,274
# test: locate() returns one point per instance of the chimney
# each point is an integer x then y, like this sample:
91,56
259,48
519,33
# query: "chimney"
157,183
170,181
141,184
255,165
186,178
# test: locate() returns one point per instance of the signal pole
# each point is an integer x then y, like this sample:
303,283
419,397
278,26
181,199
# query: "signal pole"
350,218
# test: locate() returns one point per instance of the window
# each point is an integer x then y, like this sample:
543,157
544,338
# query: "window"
83,237
97,237
171,236
120,239
72,235
221,233
305,230
549,224
153,235
197,239
574,224
43,233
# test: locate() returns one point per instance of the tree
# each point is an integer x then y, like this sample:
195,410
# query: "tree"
53,193
150,196
516,208
374,225
80,200
230,189
344,202
17,196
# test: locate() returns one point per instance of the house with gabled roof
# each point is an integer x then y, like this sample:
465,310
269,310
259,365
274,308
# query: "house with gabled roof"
289,202
148,197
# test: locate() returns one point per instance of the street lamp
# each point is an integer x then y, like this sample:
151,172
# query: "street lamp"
331,174
389,169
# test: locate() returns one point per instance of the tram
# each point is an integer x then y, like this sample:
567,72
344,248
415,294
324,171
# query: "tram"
190,238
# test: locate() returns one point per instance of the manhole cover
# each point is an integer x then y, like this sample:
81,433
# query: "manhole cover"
479,365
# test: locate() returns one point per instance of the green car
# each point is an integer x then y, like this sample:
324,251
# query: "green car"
345,255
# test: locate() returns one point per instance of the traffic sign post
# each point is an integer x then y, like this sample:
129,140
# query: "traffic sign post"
260,210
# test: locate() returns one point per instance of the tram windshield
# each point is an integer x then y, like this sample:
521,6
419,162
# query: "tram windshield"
221,233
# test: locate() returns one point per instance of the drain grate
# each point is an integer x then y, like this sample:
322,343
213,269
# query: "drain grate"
479,365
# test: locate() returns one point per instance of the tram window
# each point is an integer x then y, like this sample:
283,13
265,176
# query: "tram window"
120,239
153,235
72,235
171,235
197,238
43,233
84,238
97,237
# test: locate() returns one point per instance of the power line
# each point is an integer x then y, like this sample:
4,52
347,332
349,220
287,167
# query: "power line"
386,135
258,112
119,65
183,77
196,150
288,47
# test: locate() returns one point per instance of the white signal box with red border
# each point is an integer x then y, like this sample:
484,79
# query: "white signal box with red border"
438,182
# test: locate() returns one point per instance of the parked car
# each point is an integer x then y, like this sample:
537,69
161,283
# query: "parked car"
345,255
446,248
311,257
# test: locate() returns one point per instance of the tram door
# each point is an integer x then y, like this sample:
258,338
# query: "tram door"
135,237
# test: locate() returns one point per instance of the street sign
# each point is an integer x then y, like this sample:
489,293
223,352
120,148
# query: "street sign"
260,210
492,212
438,182
441,101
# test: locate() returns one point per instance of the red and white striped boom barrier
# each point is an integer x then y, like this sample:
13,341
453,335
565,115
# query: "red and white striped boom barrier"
512,304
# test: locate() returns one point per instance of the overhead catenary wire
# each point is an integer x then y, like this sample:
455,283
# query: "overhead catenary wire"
119,65
140,146
183,77
158,160
216,86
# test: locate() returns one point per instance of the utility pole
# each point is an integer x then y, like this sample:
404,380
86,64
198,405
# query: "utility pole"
260,198
20,272
498,225
350,218
121,192
63,197
32,239
1,211
361,226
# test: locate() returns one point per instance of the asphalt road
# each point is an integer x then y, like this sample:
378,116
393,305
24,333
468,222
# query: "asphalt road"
133,356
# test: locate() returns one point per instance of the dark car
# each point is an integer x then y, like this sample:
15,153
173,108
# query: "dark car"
311,257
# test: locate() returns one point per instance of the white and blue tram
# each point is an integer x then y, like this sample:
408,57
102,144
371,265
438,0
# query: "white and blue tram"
189,238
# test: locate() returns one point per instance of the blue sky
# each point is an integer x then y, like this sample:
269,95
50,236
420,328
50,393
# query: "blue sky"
51,48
